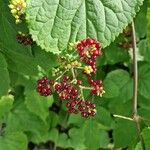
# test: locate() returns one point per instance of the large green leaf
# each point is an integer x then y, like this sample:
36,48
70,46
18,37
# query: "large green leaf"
4,76
103,118
54,23
13,141
122,80
21,119
72,140
124,133
38,105
115,54
111,89
95,137
117,106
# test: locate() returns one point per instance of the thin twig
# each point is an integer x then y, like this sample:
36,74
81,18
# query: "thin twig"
123,117
81,92
73,73
85,88
61,75
136,118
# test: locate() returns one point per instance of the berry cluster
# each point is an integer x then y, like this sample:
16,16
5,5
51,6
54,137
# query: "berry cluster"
86,108
17,9
43,87
66,91
24,39
89,49
97,87
67,84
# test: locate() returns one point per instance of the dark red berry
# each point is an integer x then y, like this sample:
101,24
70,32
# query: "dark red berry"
43,87
66,78
85,114
79,82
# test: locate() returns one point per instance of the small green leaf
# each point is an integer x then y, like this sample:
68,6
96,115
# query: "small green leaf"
148,20
141,21
74,140
146,136
53,135
13,141
144,48
6,103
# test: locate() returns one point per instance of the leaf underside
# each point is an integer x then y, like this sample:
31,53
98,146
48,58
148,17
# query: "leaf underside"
55,23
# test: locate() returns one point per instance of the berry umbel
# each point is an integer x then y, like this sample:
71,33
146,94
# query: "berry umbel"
17,9
69,84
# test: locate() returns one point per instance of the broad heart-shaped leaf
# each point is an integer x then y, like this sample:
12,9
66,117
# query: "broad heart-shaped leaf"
13,141
6,103
74,139
122,80
21,119
55,23
94,136
111,89
144,80
4,76
124,133
114,53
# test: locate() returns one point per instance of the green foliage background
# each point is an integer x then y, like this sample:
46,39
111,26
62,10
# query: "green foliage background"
26,117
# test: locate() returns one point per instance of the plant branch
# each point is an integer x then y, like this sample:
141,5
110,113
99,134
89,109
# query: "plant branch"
86,88
135,70
123,117
136,118
73,73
